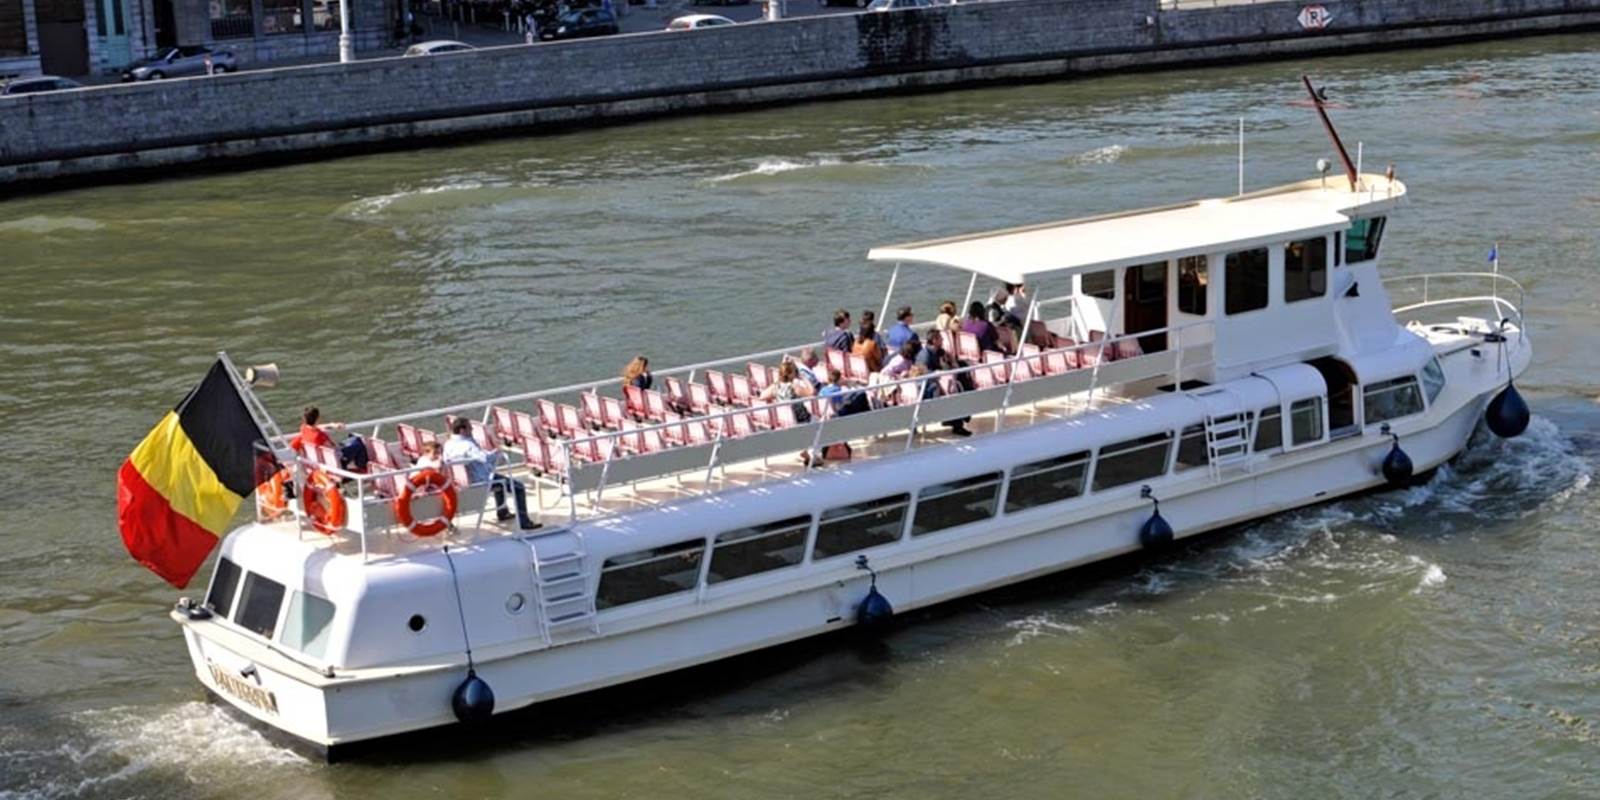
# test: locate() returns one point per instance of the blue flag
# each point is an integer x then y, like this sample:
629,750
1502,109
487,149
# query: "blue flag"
1494,253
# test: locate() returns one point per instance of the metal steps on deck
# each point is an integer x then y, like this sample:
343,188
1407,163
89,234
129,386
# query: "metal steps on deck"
1229,431
561,584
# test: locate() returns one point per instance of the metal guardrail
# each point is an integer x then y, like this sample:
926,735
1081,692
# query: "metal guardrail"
1503,308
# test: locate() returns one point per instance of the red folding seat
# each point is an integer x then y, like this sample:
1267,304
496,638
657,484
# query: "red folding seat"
523,425
696,431
740,424
612,414
997,365
984,378
699,399
634,398
718,383
967,347
410,440
594,416
1127,348
505,426
759,377
1059,362
651,440
856,368
655,406
674,434
458,475
677,395
537,452
740,384
629,442
570,421
837,360
549,417
783,416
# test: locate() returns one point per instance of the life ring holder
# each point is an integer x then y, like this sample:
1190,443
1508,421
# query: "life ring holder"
426,483
323,503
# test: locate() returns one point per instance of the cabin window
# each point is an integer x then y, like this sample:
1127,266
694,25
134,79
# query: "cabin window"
762,548
1192,450
1269,430
1192,283
1432,379
1361,243
307,625
259,604
1131,461
949,505
223,584
1044,482
656,572
860,526
1305,269
1305,421
1245,281
1102,284
1338,248
1387,400
1150,283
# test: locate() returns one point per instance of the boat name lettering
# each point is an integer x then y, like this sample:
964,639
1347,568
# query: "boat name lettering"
242,689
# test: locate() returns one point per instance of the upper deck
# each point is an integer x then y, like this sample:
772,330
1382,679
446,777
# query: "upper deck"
601,447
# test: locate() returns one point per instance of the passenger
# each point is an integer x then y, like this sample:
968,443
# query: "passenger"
933,357
807,366
1006,330
431,457
930,390
978,325
899,366
313,432
949,320
1017,301
838,337
870,316
844,400
461,448
901,331
867,347
789,387
637,373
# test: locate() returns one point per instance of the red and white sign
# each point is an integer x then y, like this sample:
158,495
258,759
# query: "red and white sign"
1315,18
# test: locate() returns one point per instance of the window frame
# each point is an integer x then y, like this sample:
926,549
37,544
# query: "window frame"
1082,460
1320,405
1195,431
233,594
1164,439
805,523
1305,271
1391,386
661,553
1229,264
288,615
1111,284
995,479
1258,419
1430,388
866,508
1372,238
242,603
1201,287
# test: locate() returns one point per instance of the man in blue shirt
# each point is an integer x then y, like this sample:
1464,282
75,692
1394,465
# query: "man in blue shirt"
461,448
901,332
838,337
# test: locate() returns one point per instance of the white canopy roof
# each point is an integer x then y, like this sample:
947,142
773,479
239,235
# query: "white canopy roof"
1135,237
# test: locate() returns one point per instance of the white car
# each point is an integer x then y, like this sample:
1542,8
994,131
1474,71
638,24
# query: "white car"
691,22
437,46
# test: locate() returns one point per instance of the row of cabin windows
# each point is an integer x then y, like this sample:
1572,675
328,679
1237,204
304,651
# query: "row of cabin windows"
675,568
257,605
1305,272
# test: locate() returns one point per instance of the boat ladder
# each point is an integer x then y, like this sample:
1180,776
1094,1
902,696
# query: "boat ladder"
561,584
1229,431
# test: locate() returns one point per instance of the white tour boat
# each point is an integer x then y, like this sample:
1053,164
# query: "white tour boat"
1228,358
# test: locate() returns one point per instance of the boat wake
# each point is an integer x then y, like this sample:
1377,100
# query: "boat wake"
823,167
1110,154
130,751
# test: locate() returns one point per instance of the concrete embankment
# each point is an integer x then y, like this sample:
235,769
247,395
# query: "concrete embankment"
331,109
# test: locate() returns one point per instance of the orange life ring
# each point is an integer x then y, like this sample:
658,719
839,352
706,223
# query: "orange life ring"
323,503
273,497
433,483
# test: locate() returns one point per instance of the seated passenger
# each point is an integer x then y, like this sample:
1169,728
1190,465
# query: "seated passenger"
461,448
1006,331
838,337
637,373
806,364
900,366
1018,305
870,316
901,331
790,386
933,357
867,347
949,320
843,400
430,458
977,324
311,432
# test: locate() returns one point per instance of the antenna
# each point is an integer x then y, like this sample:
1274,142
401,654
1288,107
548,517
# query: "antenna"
1319,101
1241,155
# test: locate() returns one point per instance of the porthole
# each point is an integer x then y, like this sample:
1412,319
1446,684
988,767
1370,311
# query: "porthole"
515,603
417,623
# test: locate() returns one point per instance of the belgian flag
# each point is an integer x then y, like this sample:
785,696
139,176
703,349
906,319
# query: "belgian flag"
179,489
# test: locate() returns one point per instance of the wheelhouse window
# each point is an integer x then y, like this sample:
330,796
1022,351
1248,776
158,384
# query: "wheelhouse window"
1192,450
1192,283
1269,429
1245,281
949,505
259,604
1305,420
648,574
223,584
1044,482
1132,461
307,625
1388,400
860,526
758,549
1305,269
1102,284
1432,379
1361,243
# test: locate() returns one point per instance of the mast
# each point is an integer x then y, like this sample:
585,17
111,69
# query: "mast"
1319,101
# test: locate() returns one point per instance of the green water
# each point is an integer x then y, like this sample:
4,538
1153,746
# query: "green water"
1442,642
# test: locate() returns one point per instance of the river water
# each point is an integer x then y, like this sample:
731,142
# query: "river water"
1443,641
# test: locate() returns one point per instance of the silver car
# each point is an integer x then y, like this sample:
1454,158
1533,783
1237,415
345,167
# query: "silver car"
46,83
175,62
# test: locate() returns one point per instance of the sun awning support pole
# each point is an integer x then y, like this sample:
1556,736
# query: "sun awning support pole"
883,313
972,286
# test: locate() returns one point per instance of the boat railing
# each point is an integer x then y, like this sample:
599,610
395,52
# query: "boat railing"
1439,290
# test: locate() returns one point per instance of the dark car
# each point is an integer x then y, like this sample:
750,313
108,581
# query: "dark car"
581,23
45,83
174,62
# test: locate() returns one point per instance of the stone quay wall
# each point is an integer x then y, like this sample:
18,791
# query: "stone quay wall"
323,110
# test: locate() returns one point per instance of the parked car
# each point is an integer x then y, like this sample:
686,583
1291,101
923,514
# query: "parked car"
437,46
43,83
723,3
898,5
856,3
581,23
691,22
174,62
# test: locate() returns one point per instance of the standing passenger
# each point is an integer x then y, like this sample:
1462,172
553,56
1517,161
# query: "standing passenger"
637,373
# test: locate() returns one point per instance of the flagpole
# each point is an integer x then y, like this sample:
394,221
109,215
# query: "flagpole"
258,410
